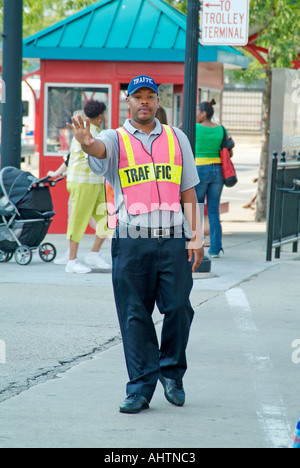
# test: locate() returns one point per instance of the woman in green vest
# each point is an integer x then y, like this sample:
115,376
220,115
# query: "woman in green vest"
209,137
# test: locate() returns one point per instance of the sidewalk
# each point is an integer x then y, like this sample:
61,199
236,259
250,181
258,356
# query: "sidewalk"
242,386
65,374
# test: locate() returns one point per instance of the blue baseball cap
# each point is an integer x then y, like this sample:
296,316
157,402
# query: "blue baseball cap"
142,81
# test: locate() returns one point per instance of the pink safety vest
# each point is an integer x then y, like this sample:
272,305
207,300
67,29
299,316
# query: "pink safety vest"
150,181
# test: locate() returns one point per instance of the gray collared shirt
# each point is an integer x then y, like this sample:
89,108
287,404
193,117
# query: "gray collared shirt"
109,168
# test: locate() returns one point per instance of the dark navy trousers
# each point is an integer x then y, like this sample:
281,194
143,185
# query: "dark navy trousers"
148,272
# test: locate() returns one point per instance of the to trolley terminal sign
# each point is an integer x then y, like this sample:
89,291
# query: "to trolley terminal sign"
225,22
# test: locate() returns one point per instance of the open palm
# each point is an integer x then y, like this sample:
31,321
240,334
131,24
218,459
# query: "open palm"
81,132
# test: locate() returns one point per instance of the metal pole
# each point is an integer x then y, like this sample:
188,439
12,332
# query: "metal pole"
191,71
12,83
191,86
271,217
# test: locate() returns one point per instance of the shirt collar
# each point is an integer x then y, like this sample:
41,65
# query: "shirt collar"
98,128
131,129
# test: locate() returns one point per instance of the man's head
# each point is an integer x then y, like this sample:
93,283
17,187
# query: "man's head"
142,98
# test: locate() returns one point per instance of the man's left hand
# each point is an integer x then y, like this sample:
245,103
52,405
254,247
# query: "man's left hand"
199,256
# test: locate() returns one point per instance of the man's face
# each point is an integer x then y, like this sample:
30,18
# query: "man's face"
143,105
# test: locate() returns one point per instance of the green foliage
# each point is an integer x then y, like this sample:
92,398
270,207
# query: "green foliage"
41,14
251,76
180,5
278,25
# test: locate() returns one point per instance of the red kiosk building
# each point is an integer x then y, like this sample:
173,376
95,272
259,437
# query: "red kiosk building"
95,54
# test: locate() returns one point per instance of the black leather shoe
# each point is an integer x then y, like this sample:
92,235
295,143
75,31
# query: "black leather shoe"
134,404
174,391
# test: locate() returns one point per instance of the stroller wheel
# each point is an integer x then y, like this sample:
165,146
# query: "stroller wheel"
5,257
47,252
23,255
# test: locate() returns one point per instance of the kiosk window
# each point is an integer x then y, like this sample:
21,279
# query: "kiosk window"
61,103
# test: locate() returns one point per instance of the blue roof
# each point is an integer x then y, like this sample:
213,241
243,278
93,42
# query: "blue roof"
124,30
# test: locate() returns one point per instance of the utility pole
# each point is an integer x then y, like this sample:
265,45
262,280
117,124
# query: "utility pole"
12,83
191,87
191,71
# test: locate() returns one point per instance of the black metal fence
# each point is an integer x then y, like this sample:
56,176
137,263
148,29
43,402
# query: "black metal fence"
284,211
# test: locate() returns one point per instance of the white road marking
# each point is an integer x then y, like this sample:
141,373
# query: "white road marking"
271,410
2,352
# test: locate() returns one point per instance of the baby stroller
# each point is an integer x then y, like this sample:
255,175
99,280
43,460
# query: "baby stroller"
26,212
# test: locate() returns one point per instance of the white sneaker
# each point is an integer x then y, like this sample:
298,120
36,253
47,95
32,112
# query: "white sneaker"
95,260
74,266
63,260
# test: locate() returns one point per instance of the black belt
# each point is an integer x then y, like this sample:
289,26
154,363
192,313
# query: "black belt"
154,233
160,233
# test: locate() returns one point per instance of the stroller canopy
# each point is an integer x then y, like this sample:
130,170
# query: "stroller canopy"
14,184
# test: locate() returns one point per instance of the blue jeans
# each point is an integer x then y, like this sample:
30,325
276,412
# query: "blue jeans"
211,186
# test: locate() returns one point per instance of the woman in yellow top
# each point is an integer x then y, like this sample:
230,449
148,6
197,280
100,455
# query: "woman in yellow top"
209,137
88,198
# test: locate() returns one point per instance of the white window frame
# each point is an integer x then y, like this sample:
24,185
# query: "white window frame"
70,85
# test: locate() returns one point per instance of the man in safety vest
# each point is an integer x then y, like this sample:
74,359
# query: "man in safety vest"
152,171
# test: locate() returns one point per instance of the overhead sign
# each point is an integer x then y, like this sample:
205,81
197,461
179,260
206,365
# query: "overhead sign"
225,22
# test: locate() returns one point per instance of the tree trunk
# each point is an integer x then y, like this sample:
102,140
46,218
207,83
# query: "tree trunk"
262,196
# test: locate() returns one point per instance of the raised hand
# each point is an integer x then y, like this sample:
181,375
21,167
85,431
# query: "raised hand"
89,144
82,132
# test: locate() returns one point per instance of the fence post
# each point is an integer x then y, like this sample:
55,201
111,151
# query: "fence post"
281,196
295,244
272,206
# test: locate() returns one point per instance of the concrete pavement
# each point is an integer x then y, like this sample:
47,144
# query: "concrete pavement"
242,385
64,373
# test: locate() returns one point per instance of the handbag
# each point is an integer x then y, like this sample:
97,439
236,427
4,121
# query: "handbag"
229,172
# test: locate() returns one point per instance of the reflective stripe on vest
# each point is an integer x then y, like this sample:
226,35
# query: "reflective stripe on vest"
148,173
128,147
153,178
134,174
171,144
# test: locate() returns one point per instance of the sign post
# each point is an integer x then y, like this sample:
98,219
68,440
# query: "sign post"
191,72
225,22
